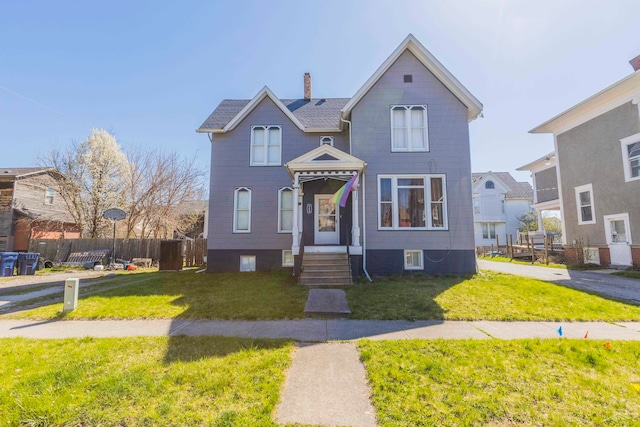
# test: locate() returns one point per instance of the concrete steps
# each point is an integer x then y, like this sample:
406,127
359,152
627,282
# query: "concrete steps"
325,269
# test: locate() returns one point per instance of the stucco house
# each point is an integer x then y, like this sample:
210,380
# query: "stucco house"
597,149
498,203
403,142
31,207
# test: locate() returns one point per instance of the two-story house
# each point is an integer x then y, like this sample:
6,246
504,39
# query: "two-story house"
31,207
597,148
498,203
404,137
546,197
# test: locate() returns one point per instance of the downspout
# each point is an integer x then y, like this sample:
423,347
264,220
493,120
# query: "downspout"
364,204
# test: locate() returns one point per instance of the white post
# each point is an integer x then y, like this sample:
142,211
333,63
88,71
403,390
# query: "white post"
71,287
355,219
295,245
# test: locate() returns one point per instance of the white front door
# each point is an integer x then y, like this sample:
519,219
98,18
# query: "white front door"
327,220
618,234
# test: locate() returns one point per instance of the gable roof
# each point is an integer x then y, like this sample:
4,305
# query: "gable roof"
621,92
327,158
474,107
318,114
517,189
324,114
22,172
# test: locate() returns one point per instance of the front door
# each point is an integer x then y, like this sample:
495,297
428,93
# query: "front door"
327,220
618,238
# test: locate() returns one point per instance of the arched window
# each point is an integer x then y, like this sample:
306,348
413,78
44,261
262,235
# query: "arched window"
489,185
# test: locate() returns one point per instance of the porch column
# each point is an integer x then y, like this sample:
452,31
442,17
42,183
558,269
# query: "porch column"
355,219
295,229
540,223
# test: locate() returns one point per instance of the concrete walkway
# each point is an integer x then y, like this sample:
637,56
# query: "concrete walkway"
312,330
326,385
599,282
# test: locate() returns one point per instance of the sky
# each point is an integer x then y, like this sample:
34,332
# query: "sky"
150,72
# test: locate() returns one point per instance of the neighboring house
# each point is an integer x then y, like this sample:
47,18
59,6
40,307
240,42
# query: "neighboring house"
545,185
498,203
31,207
597,146
276,163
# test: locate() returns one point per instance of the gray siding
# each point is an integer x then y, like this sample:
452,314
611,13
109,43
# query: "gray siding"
546,185
591,153
30,194
230,157
449,154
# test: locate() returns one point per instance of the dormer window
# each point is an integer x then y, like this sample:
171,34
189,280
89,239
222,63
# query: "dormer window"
489,185
266,146
326,140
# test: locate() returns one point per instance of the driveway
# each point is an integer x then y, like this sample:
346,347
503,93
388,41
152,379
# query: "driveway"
599,282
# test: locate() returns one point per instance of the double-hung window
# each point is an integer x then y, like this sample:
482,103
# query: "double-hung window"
584,202
412,202
49,194
242,210
488,230
631,157
285,210
266,145
409,128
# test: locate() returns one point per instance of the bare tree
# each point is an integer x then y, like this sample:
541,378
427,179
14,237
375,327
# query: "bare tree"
158,184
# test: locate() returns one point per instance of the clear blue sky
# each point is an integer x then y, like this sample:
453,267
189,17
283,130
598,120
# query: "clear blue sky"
151,72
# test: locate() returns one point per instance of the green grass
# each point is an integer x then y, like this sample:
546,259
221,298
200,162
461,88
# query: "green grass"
504,383
487,296
521,262
178,381
631,274
249,296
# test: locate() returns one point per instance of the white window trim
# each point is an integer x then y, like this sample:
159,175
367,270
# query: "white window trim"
285,264
265,162
488,224
254,263
235,209
46,195
617,217
624,143
582,189
425,119
427,204
420,258
280,190
326,143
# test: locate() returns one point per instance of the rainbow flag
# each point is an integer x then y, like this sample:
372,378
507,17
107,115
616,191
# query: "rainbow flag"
342,194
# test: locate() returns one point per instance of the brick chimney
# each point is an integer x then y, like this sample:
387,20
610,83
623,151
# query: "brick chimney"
635,63
307,86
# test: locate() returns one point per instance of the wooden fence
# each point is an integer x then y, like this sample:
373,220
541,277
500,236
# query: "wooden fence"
194,250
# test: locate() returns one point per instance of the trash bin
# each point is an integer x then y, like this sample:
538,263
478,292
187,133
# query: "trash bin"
27,263
7,263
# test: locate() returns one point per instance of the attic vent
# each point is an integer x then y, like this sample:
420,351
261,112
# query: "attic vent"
408,78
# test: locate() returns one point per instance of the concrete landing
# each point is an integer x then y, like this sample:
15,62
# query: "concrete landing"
327,303
326,385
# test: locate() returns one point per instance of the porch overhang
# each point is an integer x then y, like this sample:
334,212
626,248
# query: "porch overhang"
325,161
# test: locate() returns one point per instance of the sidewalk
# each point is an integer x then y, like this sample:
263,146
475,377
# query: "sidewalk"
315,330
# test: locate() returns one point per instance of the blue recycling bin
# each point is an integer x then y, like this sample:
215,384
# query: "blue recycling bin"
7,263
27,263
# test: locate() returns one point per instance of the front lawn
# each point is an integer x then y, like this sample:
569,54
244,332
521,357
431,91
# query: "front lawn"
177,381
504,383
276,295
187,295
486,296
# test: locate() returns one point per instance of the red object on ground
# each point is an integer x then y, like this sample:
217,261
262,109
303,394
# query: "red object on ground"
131,267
